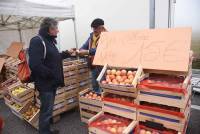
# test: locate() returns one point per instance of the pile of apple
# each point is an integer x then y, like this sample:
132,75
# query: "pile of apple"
142,131
119,77
92,95
112,125
32,110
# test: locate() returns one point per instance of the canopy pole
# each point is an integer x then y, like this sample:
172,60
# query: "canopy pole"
20,31
75,33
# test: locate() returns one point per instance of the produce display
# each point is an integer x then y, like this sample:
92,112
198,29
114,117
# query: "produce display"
119,77
119,98
163,81
153,105
92,95
88,111
110,123
143,131
18,91
32,110
17,107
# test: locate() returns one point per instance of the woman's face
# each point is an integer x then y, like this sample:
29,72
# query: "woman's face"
53,31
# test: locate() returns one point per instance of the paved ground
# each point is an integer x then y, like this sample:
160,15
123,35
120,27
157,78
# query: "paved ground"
71,124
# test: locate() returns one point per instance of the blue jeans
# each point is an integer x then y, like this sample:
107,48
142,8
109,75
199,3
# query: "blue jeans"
46,111
95,73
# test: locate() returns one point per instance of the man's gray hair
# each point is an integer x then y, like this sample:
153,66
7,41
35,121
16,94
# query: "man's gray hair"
49,23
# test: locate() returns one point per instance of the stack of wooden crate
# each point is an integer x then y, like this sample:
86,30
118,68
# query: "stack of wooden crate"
90,103
17,95
119,101
76,78
165,100
11,66
161,91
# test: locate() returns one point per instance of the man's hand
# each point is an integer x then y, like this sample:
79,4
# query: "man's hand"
72,51
82,52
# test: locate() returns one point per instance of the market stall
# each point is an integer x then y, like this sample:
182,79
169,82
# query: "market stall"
21,18
146,82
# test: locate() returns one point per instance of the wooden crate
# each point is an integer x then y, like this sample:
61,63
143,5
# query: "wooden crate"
88,107
24,100
153,129
167,98
93,130
14,110
28,93
169,119
86,115
78,79
1,93
10,83
118,107
8,99
125,90
61,97
34,119
68,106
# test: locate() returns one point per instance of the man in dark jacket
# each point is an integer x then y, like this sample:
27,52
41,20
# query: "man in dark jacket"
89,48
47,70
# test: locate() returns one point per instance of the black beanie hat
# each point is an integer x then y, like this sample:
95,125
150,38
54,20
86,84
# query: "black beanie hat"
97,22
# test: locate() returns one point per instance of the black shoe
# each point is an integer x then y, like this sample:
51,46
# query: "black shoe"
55,132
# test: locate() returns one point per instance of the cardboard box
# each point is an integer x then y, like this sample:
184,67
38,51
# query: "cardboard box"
149,48
14,49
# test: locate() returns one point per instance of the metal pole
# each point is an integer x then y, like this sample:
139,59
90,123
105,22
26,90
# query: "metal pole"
152,14
75,33
20,32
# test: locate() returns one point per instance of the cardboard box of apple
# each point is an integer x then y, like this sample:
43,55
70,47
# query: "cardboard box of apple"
119,77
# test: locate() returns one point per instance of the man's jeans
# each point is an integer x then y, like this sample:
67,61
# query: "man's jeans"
46,111
95,73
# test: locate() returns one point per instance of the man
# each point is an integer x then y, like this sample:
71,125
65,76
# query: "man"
47,70
89,48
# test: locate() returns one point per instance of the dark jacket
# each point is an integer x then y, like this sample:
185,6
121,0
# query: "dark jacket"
46,73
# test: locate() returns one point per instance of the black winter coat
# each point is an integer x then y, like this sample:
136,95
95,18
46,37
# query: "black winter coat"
46,73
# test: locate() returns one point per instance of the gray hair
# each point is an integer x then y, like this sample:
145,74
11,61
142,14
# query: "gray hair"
48,23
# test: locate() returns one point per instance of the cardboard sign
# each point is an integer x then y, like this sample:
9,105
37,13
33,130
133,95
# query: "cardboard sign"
159,49
2,61
14,49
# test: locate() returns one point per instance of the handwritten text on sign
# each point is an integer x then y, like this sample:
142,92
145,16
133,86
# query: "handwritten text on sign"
162,49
